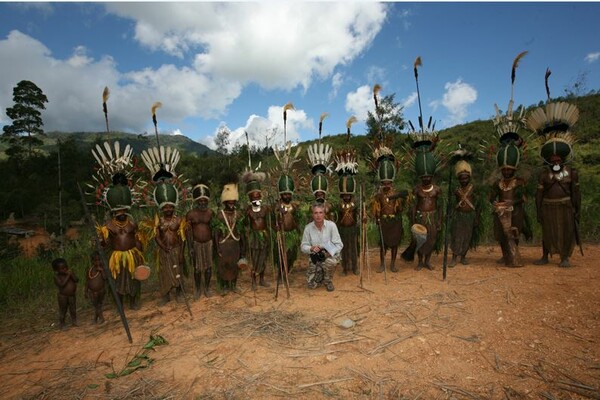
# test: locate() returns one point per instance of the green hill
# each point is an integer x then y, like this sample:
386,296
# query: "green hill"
138,142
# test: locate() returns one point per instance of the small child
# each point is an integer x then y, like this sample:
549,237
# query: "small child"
95,288
66,281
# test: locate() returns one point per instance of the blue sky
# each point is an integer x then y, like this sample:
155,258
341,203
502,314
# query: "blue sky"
238,64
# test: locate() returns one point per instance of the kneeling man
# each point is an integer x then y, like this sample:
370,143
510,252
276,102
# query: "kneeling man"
321,240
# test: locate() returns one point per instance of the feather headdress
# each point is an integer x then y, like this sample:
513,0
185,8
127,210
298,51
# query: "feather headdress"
346,162
423,141
426,135
161,161
383,161
318,157
507,126
553,123
253,179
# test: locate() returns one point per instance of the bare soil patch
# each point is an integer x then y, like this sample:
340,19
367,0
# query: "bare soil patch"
487,332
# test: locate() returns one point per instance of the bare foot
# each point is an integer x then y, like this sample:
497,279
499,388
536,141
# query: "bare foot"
541,261
564,263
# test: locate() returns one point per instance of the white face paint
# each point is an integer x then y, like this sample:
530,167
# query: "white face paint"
256,205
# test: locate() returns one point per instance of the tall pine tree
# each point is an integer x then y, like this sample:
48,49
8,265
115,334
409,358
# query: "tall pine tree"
27,125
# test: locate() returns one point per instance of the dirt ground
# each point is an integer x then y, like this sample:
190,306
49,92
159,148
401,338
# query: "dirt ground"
487,332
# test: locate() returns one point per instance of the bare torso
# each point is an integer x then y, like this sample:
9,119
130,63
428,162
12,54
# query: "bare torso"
122,235
199,224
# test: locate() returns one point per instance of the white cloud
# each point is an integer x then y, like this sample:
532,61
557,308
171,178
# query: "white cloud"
79,57
376,75
45,8
409,100
277,45
266,129
359,102
336,82
228,45
591,57
177,132
456,99
73,88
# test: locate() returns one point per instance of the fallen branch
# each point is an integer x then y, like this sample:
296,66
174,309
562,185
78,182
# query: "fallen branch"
457,390
307,385
344,341
392,342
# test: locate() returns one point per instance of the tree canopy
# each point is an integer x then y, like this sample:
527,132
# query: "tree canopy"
387,119
27,122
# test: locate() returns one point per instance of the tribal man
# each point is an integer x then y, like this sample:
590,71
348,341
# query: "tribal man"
427,212
466,215
169,236
229,237
258,227
120,236
558,198
199,235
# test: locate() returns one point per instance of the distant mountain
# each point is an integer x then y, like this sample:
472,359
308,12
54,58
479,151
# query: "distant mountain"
138,142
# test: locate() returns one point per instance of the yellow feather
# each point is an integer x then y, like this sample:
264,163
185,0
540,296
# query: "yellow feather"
350,121
288,106
518,58
376,89
156,105
418,62
105,94
323,116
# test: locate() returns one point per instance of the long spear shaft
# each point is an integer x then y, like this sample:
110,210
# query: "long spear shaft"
362,234
177,278
448,208
107,273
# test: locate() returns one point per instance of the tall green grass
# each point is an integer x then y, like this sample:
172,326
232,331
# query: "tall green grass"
27,286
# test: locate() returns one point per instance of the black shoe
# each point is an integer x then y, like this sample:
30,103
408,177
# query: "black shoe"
330,287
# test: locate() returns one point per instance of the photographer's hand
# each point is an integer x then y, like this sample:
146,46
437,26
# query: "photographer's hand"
315,249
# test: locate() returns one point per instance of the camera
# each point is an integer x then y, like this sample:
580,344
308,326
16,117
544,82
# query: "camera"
317,257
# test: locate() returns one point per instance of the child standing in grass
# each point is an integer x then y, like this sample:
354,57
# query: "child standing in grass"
95,287
66,281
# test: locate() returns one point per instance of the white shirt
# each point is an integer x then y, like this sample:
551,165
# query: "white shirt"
327,237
